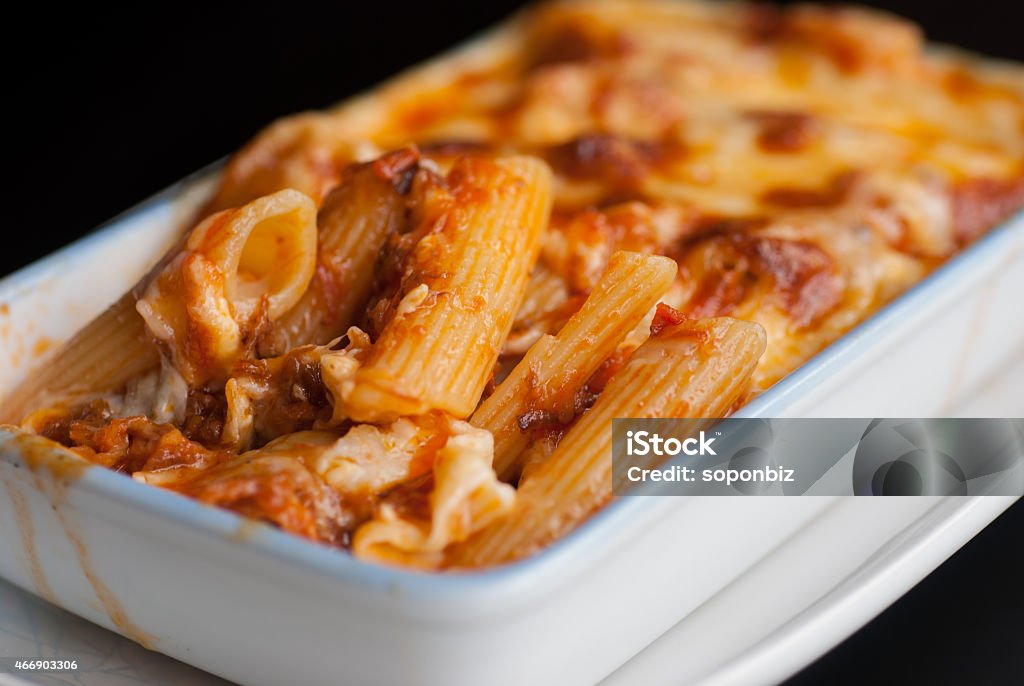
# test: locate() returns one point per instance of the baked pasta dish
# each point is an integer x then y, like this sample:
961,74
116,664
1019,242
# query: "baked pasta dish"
403,326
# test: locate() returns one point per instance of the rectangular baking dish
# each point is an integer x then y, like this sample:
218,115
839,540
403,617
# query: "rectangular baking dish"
249,603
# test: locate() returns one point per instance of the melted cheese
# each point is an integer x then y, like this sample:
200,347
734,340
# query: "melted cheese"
836,127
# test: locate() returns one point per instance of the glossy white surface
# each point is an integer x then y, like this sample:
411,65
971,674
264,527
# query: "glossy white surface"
827,581
252,604
771,635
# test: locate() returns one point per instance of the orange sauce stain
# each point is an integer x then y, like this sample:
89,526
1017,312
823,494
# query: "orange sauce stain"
23,518
43,456
246,529
111,605
42,346
5,324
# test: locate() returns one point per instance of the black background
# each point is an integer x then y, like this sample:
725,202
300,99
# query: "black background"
105,107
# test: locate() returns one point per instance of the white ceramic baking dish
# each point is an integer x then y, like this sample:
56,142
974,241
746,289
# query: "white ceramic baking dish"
247,602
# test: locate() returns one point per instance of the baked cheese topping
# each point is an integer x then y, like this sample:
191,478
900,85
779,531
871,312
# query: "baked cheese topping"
804,166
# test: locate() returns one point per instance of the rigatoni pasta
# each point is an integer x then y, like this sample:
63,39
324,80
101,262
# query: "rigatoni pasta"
402,327
106,354
238,269
355,220
545,386
457,293
691,369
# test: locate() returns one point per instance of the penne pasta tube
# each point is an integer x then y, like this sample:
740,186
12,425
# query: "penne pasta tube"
551,374
353,223
696,368
111,350
233,268
460,288
239,269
